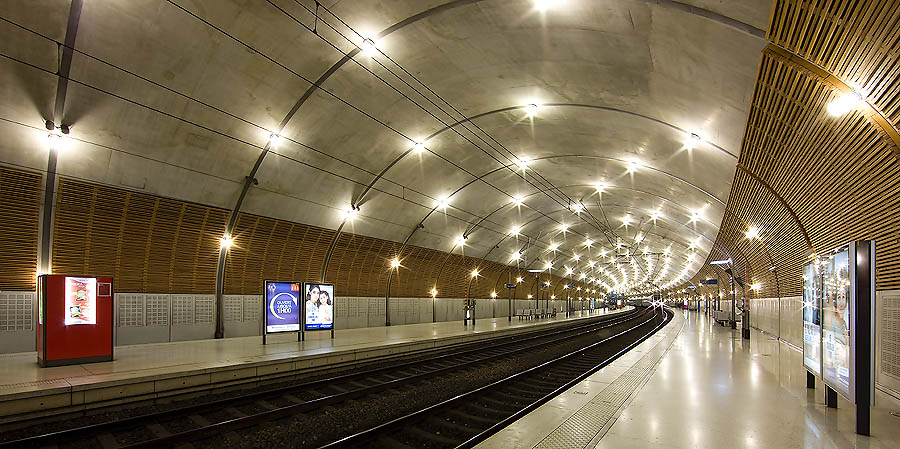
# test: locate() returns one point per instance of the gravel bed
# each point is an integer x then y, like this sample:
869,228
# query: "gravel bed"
335,422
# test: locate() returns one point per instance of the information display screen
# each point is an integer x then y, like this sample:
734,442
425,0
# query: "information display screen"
282,307
319,306
836,321
812,317
81,301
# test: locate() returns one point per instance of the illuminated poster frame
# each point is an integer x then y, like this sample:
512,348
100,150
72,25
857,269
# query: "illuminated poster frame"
838,351
812,317
282,309
80,306
846,295
319,310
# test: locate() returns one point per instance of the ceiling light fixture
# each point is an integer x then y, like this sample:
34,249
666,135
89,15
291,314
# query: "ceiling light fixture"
350,213
395,263
845,103
226,241
275,140
419,147
532,109
522,163
752,233
368,48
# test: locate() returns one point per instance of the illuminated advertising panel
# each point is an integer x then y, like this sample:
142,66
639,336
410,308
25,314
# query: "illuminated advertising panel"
81,301
282,307
319,306
812,318
836,321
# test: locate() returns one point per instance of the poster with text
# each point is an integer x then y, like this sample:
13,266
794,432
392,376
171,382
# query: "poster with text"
282,307
81,301
319,306
836,321
812,317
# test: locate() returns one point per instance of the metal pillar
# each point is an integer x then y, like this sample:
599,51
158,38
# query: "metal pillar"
733,311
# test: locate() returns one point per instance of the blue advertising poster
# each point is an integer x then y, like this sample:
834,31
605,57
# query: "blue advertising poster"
319,306
282,307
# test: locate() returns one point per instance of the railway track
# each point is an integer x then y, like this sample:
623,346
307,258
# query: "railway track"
470,418
202,420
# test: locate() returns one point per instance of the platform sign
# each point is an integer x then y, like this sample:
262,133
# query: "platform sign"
836,310
812,317
319,306
81,301
282,306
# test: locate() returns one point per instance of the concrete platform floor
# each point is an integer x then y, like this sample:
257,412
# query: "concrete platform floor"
20,376
707,389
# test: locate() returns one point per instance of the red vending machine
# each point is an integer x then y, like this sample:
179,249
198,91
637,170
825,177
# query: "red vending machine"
75,319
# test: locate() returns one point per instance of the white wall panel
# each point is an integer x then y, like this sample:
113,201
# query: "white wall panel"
17,321
887,340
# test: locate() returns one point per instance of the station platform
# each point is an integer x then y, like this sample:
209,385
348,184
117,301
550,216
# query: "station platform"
152,371
696,384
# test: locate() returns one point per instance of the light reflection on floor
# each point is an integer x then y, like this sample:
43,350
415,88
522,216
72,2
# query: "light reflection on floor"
739,394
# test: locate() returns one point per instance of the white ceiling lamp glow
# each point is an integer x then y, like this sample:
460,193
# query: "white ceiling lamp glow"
350,213
518,201
474,273
693,140
577,208
563,227
515,230
419,147
368,48
226,241
460,241
633,166
845,103
442,203
515,257
588,243
531,109
522,163
752,233
275,140
553,246
395,263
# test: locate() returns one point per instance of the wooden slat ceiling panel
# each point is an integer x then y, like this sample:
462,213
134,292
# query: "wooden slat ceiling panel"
857,41
838,175
19,219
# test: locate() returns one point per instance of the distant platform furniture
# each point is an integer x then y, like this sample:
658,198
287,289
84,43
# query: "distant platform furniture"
75,319
723,317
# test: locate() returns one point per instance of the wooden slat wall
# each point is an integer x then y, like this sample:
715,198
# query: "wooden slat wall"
840,176
158,245
148,243
20,192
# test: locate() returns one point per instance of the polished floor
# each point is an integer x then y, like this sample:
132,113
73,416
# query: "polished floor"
20,374
709,389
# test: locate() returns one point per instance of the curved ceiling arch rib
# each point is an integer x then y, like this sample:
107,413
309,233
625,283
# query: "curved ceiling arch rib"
354,51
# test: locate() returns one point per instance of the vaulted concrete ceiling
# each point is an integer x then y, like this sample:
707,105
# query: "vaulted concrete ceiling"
180,98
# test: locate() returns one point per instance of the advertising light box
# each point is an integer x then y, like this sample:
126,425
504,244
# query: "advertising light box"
836,344
75,319
282,307
81,301
319,306
812,318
